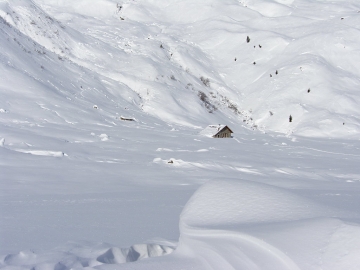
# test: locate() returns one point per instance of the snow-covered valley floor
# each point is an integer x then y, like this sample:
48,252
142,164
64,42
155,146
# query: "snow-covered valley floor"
101,161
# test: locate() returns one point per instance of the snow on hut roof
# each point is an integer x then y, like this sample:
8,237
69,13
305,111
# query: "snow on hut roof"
212,130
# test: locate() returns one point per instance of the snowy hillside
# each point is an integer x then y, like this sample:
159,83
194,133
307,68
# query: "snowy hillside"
296,62
102,160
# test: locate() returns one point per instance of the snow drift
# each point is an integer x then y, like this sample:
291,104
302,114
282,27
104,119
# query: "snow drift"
247,225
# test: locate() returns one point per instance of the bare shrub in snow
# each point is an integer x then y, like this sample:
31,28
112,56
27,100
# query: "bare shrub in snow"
202,96
208,105
118,7
49,18
2,20
205,81
231,105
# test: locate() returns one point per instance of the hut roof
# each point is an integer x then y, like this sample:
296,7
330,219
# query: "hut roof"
212,130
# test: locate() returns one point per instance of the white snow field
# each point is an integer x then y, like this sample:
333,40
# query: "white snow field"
102,160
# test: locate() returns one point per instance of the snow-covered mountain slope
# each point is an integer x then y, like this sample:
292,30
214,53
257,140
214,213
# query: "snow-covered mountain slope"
296,62
101,107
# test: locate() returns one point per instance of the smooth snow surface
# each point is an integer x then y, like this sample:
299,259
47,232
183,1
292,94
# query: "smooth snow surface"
102,160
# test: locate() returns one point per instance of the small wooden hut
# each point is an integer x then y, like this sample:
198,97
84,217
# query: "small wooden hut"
217,131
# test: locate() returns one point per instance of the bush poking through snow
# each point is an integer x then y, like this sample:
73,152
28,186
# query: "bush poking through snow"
247,39
119,7
2,20
203,97
205,81
290,118
231,105
189,85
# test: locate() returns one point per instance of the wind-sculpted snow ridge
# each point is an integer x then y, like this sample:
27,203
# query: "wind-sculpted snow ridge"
247,225
256,226
84,255
227,225
230,203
